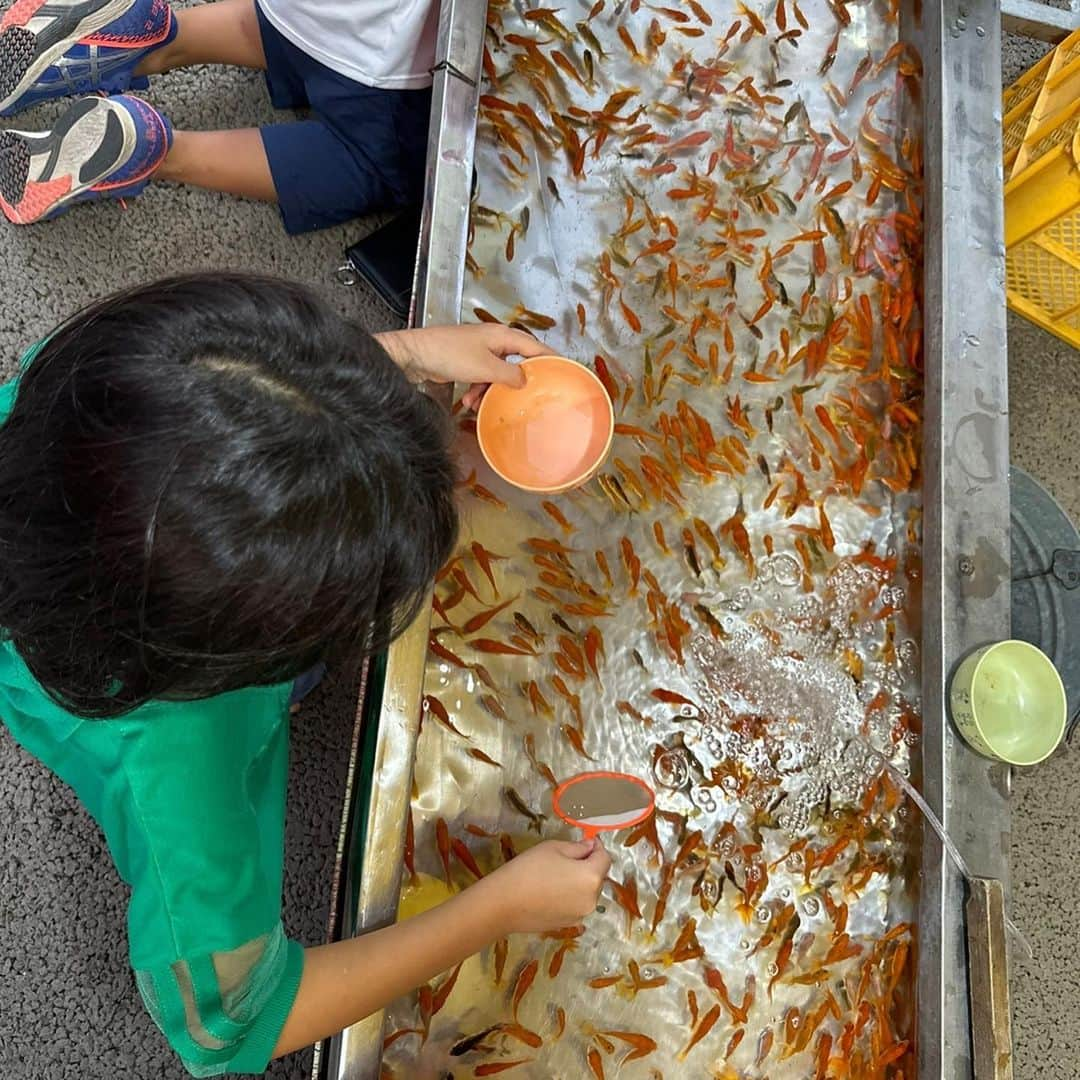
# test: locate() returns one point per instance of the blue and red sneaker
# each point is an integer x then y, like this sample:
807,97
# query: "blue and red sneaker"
63,48
101,148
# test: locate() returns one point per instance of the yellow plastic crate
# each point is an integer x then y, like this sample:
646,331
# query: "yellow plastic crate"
1042,192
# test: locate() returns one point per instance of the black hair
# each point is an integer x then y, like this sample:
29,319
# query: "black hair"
212,482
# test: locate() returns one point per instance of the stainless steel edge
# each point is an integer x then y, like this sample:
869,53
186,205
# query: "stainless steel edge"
1033,18
356,1053
966,456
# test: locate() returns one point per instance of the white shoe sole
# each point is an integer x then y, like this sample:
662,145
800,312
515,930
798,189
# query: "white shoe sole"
89,143
89,24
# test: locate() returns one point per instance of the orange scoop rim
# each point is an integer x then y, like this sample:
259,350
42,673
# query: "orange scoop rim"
582,477
591,830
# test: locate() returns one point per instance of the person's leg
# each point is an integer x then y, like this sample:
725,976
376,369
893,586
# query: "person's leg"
363,153
112,147
233,162
225,32
320,179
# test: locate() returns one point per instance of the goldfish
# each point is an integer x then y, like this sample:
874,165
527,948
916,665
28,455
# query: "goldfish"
442,841
536,821
523,983
575,737
631,562
557,516
434,707
705,1025
499,648
626,896
640,1045
484,617
492,1068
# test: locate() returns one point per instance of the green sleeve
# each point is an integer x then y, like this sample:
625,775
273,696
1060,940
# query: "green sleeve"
203,846
7,398
224,1013
9,389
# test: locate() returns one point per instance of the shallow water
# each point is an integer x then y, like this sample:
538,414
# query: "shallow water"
743,576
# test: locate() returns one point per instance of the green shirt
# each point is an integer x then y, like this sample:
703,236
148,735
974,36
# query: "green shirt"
191,799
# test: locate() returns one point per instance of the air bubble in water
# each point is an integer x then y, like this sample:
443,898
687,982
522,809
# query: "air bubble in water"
763,914
672,769
744,945
724,847
702,798
786,570
647,973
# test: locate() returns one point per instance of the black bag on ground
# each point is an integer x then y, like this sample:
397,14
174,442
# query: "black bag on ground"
386,260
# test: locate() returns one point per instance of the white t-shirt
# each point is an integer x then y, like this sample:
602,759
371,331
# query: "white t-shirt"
386,43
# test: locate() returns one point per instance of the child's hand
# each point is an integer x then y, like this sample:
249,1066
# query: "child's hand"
464,354
552,885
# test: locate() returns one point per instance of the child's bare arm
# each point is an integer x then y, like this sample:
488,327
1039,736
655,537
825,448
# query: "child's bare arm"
552,885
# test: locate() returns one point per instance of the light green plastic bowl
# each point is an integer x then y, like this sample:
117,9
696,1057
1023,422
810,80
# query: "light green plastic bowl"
1009,703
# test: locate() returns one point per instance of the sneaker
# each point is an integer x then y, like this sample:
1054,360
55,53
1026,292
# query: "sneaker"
63,48
99,148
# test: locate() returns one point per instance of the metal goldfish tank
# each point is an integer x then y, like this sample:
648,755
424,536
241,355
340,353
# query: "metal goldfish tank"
774,231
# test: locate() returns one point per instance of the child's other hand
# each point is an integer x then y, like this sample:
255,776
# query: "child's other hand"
466,354
552,885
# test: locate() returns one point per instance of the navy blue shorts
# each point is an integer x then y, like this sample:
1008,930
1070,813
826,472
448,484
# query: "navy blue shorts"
307,683
362,149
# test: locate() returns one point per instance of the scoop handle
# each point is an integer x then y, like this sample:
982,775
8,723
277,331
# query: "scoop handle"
988,975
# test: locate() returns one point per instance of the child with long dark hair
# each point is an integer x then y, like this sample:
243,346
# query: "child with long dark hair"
210,486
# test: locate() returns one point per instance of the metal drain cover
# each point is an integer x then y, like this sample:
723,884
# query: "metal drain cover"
1046,580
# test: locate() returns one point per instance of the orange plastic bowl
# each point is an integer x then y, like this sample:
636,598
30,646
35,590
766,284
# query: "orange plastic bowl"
552,434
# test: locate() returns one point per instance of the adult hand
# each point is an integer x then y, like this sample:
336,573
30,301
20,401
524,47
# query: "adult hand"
467,354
